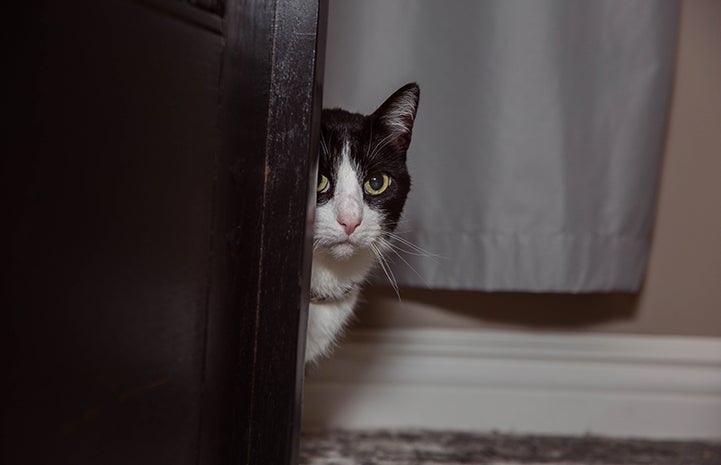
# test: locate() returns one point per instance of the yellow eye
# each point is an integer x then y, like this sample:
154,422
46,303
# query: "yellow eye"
377,183
323,184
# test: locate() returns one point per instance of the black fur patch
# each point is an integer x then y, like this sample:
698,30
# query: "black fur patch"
378,144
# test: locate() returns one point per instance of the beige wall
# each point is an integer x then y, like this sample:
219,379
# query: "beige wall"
682,292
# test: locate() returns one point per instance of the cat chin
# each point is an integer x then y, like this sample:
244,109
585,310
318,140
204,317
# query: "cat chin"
343,251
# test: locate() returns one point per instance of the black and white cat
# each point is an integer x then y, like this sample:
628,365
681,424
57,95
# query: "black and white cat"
362,187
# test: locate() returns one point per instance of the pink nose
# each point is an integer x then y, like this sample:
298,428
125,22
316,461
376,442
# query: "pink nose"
349,224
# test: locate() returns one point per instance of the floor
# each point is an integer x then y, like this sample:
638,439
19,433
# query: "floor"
455,448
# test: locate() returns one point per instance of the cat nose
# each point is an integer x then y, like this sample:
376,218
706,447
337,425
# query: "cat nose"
349,224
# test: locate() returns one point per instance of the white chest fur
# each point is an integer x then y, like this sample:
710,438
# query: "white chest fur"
327,318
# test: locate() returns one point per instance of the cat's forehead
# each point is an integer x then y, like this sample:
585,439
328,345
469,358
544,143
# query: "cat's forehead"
358,139
340,126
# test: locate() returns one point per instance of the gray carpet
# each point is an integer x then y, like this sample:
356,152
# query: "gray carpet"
453,448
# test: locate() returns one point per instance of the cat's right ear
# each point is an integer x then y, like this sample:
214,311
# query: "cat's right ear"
396,115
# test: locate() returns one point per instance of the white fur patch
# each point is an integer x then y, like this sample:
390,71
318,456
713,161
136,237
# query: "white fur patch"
340,260
347,203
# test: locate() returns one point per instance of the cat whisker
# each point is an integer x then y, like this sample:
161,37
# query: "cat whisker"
392,248
387,243
415,250
370,140
410,252
382,261
403,222
380,146
323,144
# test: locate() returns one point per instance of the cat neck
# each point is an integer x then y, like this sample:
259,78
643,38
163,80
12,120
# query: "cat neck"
332,277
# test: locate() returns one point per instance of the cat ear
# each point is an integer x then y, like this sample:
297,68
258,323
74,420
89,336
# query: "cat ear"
396,115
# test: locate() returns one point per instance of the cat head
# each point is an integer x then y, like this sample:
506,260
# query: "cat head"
363,181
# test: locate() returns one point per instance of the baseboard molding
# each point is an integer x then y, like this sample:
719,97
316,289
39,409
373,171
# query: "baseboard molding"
611,385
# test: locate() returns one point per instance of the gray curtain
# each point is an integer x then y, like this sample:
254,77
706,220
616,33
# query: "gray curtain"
536,151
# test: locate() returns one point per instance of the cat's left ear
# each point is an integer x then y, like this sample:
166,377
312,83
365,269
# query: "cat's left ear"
397,114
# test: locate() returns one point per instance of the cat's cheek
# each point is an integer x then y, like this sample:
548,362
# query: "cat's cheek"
324,219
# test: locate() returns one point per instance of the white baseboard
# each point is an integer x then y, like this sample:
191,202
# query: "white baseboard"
610,385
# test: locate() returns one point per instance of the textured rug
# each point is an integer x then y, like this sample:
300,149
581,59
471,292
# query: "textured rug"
454,448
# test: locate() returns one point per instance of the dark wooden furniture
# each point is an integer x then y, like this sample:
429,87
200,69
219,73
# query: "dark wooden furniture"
158,185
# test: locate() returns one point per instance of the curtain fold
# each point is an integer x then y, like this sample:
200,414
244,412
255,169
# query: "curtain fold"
536,151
